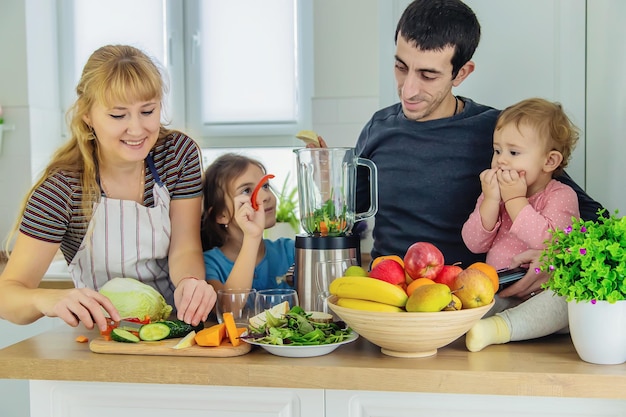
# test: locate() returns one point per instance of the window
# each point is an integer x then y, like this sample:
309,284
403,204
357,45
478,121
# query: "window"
237,68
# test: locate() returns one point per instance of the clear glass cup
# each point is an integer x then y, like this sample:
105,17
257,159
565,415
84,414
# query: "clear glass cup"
325,273
239,302
266,299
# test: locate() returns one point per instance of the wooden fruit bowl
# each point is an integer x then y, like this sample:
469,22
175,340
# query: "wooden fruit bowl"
409,335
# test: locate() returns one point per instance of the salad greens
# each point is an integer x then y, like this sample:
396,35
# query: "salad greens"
325,221
295,329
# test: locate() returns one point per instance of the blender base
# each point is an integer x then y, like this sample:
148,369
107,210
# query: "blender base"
310,250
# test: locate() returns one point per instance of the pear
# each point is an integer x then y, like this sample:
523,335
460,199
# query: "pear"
429,298
355,271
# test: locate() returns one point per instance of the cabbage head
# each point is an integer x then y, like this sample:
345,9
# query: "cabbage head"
132,298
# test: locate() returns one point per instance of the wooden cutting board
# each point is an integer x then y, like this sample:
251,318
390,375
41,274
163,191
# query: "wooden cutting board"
164,348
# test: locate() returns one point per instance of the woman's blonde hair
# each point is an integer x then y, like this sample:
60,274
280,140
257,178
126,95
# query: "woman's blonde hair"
550,122
112,74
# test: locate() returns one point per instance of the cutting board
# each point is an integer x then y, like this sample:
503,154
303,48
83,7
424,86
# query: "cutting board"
164,348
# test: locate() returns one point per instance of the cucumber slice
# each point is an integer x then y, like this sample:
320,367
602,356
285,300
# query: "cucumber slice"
154,331
121,335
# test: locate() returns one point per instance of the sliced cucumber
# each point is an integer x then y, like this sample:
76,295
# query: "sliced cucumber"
154,331
121,335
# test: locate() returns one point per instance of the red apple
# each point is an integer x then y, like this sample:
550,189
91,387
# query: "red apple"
388,270
423,260
447,274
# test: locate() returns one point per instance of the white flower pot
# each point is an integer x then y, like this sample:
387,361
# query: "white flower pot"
599,331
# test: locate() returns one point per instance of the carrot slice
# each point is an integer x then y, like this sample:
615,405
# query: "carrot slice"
231,328
211,336
323,228
82,339
265,178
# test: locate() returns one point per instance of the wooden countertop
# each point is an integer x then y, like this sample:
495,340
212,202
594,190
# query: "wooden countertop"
545,367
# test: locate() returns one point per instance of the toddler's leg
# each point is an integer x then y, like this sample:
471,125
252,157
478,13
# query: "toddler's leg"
492,328
489,331
541,315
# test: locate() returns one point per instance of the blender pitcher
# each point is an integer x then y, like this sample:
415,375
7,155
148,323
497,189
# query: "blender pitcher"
327,190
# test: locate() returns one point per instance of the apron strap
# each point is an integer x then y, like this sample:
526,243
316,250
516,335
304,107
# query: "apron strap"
153,170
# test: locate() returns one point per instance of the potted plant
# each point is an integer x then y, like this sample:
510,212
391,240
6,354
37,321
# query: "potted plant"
586,263
287,222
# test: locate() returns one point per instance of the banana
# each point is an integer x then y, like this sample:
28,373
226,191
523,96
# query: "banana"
366,305
371,289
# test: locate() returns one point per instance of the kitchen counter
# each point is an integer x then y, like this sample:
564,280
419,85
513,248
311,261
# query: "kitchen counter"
545,367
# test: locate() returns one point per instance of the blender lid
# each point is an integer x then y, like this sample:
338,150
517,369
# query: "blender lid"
327,242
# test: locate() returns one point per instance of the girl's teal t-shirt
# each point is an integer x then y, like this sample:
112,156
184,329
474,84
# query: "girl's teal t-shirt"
269,273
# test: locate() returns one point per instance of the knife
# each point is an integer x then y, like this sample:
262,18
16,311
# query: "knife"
125,325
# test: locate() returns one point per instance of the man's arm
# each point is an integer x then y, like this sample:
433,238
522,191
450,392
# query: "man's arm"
588,206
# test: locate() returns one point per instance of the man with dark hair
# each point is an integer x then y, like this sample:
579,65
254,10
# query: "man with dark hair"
431,146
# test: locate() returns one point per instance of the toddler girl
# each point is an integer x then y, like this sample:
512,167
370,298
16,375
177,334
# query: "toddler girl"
519,204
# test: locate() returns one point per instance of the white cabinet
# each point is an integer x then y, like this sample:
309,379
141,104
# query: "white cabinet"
93,399
14,393
399,404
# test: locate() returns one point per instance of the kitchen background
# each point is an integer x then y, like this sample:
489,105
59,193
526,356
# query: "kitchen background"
558,49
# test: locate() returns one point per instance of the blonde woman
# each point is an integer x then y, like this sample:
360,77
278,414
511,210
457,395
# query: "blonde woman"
122,198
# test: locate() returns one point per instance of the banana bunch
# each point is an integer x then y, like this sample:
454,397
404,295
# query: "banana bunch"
365,293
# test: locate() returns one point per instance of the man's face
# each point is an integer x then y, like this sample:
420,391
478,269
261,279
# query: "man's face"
424,80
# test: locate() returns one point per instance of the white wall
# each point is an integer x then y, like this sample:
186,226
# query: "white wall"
606,103
346,60
29,98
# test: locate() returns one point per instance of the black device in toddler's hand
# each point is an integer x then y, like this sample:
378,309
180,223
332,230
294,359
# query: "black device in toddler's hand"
509,276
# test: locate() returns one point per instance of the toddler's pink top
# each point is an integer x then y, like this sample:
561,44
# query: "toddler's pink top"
552,208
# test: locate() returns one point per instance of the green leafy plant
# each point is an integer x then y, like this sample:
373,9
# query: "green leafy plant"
286,205
587,260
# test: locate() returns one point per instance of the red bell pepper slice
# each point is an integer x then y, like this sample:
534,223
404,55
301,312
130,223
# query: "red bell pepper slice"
265,178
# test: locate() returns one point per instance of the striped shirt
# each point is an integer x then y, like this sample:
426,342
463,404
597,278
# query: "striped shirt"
53,213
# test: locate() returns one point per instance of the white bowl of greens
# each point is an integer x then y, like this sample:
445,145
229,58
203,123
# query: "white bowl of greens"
296,335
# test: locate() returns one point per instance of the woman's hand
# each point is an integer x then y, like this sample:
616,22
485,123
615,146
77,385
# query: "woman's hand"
194,299
78,305
530,284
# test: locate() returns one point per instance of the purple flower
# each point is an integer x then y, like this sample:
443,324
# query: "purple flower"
568,230
593,301
583,251
551,268
583,229
537,270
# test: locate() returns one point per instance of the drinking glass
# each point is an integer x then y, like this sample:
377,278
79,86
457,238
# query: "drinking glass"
325,273
239,302
266,299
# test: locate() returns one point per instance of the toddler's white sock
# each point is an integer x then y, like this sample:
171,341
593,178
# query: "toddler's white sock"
489,331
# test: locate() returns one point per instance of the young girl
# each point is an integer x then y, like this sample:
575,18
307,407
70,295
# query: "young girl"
236,255
519,204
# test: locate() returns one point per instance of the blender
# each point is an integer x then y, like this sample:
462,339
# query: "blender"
327,199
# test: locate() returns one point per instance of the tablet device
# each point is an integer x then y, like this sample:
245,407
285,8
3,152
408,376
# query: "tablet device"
509,276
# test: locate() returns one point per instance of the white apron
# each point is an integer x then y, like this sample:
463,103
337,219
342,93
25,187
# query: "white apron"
127,239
